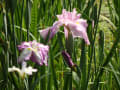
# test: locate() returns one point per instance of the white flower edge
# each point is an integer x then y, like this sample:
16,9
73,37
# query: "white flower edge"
27,70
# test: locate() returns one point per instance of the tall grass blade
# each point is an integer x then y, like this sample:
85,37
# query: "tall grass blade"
83,66
115,75
21,21
101,47
107,60
33,24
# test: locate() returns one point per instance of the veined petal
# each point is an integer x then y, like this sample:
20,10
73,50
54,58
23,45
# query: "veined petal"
44,32
44,53
80,33
37,58
55,28
79,28
25,55
52,30
45,60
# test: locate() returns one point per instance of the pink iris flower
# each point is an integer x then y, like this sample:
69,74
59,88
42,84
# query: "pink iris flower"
71,22
34,51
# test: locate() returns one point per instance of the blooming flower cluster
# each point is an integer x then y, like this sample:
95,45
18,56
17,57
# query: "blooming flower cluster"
34,51
71,22
38,52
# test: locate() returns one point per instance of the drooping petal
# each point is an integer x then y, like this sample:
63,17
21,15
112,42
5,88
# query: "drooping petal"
51,30
80,32
25,55
36,57
44,54
55,28
45,60
44,32
40,57
78,29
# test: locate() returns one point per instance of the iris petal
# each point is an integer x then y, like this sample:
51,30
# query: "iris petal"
53,30
25,55
44,32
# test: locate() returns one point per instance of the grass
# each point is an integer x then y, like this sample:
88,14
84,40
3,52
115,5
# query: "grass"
97,64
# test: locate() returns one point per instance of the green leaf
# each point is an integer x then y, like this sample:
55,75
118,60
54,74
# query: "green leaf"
33,25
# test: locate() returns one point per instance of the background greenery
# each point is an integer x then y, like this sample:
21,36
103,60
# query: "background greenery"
98,64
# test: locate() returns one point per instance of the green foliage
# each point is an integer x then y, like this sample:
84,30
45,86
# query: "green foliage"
97,65
33,24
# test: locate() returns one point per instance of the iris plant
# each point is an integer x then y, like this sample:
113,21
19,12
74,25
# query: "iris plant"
34,51
71,22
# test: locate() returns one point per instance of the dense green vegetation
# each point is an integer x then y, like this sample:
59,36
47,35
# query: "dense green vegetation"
98,64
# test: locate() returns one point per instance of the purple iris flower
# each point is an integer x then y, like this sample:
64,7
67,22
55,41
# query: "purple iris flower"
71,22
34,51
68,59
